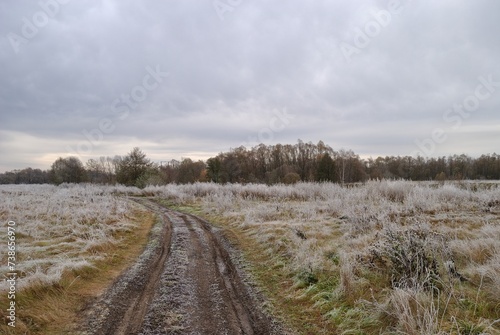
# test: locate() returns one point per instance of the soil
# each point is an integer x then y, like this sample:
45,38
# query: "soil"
188,280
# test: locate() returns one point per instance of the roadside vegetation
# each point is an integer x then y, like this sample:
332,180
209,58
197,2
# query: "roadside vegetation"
71,242
388,257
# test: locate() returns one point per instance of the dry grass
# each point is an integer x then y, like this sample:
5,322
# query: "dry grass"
67,254
331,259
313,247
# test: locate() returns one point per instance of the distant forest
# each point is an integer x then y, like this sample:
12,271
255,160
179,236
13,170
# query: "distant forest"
270,164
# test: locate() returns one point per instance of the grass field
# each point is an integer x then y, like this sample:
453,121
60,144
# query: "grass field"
71,241
379,258
389,257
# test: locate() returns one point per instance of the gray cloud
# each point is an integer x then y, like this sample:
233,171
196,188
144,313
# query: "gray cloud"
227,77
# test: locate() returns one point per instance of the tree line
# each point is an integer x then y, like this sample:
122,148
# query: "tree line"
279,163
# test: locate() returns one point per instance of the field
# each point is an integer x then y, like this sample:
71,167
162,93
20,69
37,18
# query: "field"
384,257
389,257
71,241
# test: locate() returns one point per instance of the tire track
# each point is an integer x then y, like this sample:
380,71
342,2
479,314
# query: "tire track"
189,286
129,296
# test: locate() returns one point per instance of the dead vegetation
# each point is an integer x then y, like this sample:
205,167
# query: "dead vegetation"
384,257
389,257
72,241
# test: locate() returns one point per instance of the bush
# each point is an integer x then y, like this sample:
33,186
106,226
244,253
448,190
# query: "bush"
409,255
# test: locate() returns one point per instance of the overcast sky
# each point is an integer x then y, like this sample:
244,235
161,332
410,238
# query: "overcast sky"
193,78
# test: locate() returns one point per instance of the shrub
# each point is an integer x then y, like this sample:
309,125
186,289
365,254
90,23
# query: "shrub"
409,255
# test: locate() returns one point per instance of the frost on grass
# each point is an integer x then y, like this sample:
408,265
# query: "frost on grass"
59,228
383,257
388,257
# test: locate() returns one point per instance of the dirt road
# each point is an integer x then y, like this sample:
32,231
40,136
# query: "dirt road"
185,282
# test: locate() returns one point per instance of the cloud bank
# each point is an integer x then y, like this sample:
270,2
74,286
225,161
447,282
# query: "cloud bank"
193,78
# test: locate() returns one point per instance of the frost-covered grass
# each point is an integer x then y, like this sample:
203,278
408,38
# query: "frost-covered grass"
384,257
71,241
389,257
59,228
